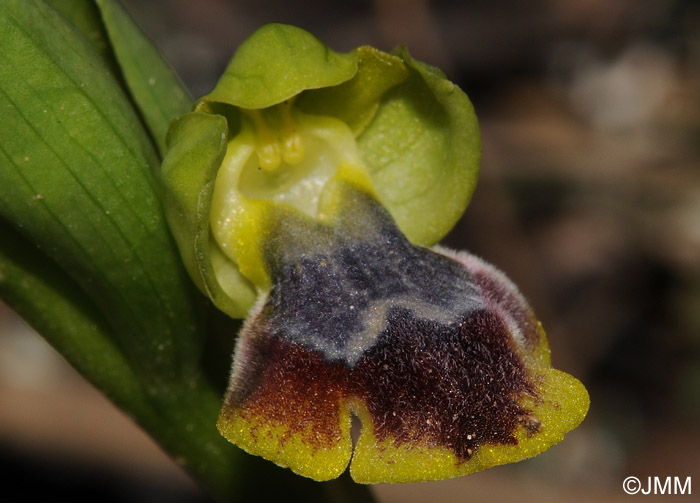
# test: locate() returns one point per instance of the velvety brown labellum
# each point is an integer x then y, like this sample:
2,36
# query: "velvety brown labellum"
432,348
422,382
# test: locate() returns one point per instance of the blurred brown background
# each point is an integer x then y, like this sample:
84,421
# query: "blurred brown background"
589,199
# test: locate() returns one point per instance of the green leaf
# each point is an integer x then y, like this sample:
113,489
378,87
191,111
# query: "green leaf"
87,258
52,303
423,150
85,17
80,167
155,88
277,62
76,167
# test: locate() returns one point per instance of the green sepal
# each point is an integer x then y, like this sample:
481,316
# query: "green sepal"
417,133
276,63
197,145
423,151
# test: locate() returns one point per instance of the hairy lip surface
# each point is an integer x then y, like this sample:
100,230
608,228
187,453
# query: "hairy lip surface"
436,352
425,344
454,386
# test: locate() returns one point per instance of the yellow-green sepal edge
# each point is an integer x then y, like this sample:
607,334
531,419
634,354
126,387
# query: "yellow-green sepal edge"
196,146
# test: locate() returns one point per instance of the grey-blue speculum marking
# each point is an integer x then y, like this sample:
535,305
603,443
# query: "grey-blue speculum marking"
337,300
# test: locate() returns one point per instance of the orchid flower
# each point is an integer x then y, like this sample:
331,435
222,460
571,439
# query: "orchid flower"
305,192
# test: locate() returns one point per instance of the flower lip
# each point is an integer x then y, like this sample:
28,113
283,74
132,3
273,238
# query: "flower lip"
437,353
412,341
